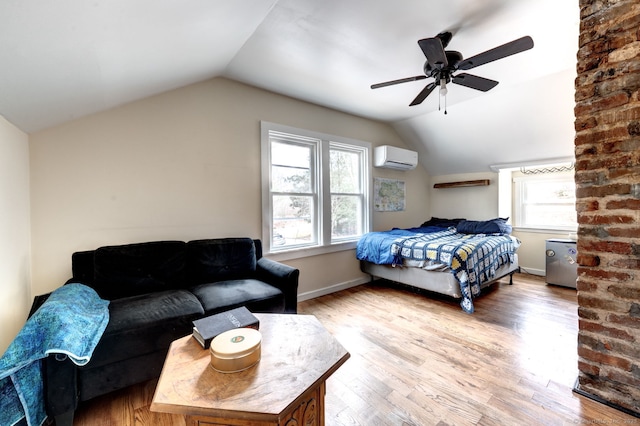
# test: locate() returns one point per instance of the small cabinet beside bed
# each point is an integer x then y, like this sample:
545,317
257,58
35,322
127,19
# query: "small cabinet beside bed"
454,257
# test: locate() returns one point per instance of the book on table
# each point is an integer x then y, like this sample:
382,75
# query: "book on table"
205,329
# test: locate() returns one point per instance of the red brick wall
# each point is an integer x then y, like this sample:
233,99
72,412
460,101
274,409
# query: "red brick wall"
607,147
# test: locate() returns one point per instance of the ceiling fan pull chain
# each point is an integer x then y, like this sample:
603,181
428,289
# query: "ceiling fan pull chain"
445,104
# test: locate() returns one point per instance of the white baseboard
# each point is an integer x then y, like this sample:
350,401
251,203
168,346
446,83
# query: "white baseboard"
533,271
348,284
332,289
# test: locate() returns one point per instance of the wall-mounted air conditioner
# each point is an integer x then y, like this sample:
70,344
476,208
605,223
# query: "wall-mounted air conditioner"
392,157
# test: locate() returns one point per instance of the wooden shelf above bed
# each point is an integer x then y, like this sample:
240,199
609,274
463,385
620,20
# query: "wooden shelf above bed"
479,182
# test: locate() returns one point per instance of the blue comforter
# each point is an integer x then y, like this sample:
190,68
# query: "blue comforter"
375,247
69,323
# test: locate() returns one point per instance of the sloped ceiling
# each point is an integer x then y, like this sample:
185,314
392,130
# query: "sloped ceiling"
69,58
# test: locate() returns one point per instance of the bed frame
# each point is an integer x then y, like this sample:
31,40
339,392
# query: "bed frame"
442,282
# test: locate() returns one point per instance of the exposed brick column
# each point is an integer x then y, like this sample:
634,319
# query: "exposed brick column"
607,147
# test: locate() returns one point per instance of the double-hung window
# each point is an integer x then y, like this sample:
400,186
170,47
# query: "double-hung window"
545,201
315,190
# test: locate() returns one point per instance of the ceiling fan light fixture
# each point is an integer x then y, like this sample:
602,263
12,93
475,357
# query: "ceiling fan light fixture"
443,93
443,87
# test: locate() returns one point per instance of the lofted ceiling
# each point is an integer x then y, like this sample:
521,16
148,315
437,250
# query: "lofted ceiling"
69,58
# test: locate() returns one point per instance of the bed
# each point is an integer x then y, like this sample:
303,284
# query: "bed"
454,257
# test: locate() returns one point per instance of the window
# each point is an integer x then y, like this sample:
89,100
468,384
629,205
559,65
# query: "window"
348,200
315,190
545,201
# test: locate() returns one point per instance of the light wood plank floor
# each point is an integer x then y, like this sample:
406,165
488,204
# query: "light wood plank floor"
420,360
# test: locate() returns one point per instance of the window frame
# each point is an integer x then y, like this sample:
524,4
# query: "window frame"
323,145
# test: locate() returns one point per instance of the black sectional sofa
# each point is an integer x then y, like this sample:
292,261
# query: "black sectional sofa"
156,289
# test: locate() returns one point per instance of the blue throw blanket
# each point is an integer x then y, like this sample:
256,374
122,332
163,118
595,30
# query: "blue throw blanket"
69,323
375,247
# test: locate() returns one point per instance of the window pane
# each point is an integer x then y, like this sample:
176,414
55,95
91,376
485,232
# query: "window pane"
285,179
345,171
548,191
549,215
346,216
290,168
292,220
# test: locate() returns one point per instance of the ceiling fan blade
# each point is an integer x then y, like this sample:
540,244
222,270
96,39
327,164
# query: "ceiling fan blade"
445,38
474,82
423,94
402,80
433,50
507,49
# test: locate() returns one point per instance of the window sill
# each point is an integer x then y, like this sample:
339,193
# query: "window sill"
545,231
310,251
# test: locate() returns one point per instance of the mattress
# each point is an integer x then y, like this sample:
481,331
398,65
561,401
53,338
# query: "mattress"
433,277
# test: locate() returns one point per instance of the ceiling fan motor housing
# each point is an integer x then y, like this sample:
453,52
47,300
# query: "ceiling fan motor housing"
453,59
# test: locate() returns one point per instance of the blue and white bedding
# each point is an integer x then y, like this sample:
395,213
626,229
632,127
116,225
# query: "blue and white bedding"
472,258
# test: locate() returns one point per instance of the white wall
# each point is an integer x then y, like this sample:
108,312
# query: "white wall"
15,266
182,165
469,202
533,252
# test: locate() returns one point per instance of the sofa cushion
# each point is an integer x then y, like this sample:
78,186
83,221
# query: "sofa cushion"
256,295
220,259
132,269
146,323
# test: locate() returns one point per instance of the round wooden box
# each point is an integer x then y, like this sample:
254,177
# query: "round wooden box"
235,350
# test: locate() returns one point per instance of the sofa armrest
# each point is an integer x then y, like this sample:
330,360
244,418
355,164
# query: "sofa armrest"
37,302
61,388
282,276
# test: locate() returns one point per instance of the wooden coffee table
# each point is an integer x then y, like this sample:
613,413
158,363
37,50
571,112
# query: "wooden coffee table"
286,387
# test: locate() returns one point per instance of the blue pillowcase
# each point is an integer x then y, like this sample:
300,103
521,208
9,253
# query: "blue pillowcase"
494,226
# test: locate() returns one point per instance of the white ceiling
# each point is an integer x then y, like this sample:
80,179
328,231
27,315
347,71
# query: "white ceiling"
69,58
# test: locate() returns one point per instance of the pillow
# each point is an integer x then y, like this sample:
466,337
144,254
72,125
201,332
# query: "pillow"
139,268
498,225
441,223
220,259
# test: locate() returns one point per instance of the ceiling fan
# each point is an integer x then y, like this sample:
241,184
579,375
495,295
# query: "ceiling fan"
442,64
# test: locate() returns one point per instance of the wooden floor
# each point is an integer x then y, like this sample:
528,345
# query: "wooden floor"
418,359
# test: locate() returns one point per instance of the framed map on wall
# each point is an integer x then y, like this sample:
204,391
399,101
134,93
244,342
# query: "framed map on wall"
388,195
